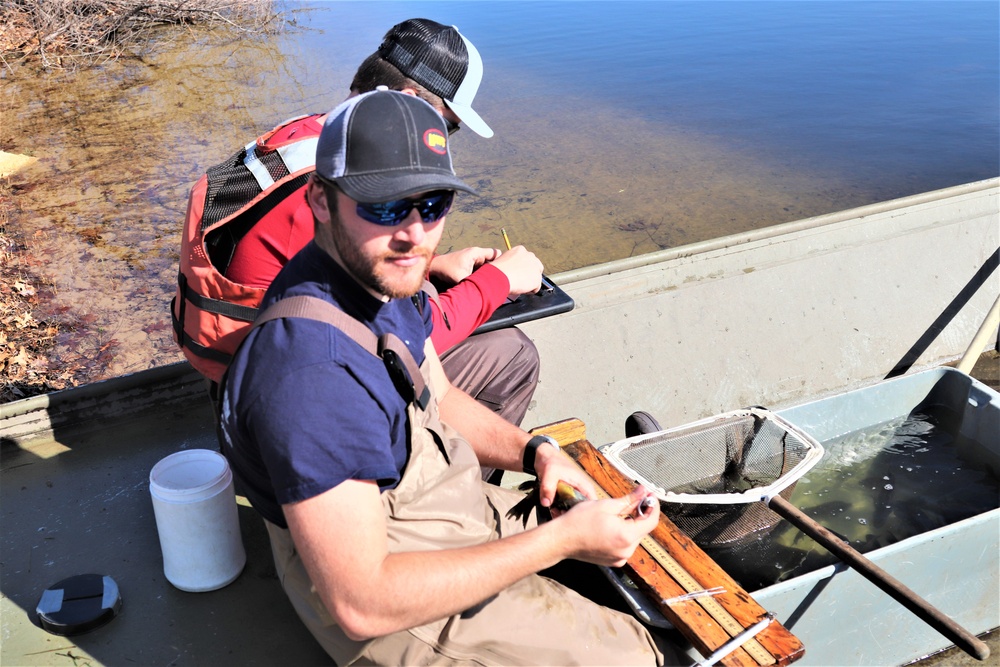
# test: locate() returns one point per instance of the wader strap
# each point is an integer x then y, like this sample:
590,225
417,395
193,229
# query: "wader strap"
432,294
402,367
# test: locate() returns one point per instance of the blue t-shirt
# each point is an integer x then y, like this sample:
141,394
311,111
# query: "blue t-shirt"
305,407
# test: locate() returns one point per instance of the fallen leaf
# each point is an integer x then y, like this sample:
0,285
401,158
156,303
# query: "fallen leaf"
21,358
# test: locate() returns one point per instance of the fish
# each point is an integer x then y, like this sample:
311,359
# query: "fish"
566,497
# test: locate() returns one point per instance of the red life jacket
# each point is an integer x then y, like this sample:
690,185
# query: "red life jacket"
211,314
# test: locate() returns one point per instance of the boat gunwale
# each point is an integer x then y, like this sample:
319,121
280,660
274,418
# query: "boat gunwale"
772,231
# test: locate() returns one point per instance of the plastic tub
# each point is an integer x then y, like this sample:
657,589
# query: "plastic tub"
194,502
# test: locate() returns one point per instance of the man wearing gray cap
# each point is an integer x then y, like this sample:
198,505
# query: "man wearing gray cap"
387,542
248,216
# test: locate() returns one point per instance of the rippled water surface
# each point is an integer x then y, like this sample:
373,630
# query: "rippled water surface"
621,128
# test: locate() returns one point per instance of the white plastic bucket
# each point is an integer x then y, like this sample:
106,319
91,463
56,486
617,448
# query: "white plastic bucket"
194,502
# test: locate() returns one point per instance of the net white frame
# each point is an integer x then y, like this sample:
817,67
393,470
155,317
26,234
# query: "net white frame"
814,452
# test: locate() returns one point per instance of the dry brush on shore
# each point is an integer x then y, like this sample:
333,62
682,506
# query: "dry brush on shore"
72,33
30,328
24,340
76,34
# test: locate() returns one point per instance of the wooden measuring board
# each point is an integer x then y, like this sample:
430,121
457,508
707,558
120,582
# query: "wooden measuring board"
668,564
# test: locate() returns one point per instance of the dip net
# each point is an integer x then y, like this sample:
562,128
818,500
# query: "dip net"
714,477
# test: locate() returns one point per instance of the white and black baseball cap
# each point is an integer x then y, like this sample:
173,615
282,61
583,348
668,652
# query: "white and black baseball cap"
386,145
443,61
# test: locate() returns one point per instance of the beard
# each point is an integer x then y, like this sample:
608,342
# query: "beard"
376,271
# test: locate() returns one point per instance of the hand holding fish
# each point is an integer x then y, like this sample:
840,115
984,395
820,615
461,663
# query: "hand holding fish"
554,466
607,532
610,529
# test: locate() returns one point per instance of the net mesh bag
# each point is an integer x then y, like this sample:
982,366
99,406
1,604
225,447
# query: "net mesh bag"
715,476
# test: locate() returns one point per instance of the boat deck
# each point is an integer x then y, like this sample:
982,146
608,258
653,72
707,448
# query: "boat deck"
77,501
80,503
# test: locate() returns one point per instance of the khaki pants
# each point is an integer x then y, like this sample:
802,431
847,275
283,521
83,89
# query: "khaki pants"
498,368
535,622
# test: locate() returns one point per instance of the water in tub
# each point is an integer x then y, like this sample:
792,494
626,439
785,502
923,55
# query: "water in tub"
874,487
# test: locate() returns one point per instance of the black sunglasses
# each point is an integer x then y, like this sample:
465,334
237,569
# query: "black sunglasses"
431,207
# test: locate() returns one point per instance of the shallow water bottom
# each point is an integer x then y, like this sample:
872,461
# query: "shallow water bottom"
117,149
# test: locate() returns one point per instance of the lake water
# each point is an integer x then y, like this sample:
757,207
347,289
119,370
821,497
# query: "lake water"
621,128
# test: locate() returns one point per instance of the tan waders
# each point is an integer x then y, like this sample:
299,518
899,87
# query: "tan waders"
442,502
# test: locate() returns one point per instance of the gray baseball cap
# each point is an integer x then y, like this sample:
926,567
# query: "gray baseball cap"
386,145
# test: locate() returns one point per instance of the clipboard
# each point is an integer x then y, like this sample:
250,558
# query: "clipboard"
549,300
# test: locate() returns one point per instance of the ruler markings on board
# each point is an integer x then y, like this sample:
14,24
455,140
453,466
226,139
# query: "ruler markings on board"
709,604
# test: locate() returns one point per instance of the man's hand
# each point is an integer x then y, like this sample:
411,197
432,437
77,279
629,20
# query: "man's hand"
522,268
603,532
607,532
553,466
454,267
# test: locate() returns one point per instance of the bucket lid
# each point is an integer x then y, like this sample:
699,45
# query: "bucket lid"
79,604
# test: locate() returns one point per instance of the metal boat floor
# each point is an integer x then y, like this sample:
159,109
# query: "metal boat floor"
78,502
74,499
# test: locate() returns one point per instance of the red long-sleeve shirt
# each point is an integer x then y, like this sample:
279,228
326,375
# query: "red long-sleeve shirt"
467,305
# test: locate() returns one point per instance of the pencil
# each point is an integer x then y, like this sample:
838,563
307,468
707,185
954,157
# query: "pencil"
545,283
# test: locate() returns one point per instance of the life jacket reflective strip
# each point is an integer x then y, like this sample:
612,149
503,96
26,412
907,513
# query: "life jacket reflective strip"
212,314
298,156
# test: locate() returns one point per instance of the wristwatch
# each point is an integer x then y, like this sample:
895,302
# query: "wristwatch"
530,449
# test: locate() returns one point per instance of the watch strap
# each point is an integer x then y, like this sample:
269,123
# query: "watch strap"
531,449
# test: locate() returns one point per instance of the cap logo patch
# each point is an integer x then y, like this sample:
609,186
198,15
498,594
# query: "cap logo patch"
435,140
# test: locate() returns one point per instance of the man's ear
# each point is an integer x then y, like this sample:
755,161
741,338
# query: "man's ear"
409,91
316,197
